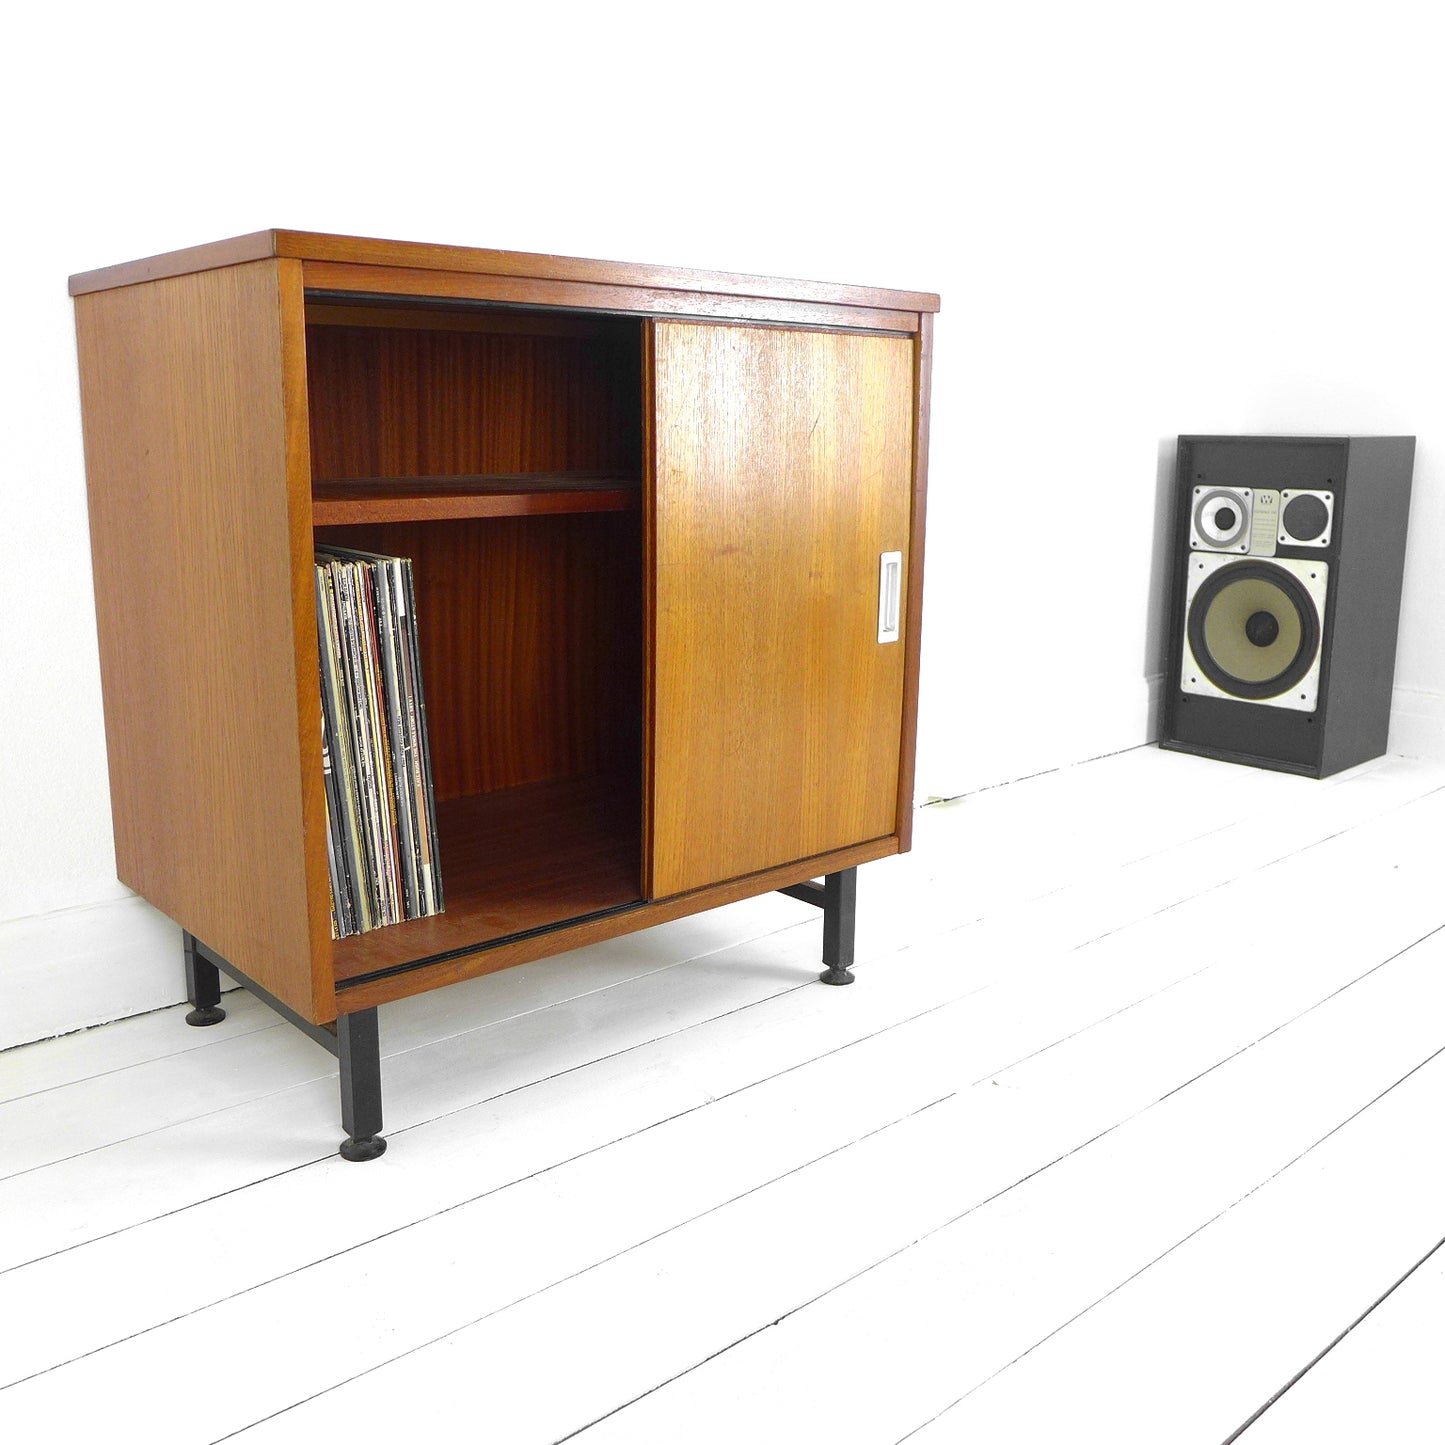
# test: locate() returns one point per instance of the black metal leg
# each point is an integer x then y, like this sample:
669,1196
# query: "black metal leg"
840,913
359,1049
203,986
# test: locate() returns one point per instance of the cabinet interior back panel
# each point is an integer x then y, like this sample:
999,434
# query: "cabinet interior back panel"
783,471
395,402
530,632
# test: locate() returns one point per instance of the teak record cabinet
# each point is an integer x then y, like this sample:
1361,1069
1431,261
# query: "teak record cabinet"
655,517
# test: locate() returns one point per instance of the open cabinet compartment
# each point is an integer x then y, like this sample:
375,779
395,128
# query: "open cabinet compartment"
500,450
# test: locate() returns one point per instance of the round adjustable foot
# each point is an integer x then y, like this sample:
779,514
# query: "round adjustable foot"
838,976
358,1151
200,1018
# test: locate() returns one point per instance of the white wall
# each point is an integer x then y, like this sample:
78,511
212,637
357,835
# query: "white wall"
1143,220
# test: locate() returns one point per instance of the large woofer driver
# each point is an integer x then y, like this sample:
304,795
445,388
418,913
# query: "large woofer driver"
1253,630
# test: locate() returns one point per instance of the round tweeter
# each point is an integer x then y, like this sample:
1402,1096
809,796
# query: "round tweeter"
1254,630
1221,518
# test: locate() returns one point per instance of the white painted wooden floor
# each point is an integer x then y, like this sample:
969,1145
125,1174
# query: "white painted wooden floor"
1134,1112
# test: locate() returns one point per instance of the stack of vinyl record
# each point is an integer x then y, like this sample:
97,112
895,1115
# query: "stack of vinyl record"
380,809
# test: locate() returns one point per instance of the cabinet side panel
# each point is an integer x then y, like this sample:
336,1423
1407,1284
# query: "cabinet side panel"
1369,575
196,539
783,470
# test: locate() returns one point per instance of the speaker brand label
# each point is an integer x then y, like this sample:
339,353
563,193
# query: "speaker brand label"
1266,524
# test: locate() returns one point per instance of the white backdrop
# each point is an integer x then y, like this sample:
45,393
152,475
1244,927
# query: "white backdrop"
1143,220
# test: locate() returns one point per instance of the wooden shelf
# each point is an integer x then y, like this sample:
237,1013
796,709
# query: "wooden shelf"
514,860
429,499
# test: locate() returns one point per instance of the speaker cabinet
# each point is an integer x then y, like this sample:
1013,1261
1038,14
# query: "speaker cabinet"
1286,557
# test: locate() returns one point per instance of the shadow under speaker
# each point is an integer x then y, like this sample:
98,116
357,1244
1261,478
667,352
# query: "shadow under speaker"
1287,555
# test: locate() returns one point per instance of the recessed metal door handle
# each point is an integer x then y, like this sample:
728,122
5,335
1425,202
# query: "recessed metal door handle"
890,593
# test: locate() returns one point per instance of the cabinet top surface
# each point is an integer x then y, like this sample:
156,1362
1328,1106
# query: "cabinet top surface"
315,247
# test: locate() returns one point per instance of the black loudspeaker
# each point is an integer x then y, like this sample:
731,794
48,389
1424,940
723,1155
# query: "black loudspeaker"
1287,557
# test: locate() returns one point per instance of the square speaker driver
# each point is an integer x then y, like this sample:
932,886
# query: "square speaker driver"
1306,519
1253,629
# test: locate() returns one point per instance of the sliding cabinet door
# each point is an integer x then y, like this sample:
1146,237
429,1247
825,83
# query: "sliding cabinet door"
782,465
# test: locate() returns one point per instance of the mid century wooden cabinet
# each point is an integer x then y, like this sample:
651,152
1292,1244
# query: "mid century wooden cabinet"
654,516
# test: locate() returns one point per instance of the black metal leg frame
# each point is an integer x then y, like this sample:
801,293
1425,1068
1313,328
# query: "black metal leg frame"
354,1039
837,896
356,1042
203,986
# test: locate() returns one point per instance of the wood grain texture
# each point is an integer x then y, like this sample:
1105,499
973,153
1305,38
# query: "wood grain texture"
412,403
297,408
428,499
372,992
784,467
429,257
219,381
531,645
357,250
518,859
256,246
346,280
913,595
198,514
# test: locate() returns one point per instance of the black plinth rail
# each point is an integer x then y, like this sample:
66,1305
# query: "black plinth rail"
355,1038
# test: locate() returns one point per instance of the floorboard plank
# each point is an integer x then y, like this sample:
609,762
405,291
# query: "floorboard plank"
942,1318
1229,1316
150,1174
1382,1381
678,1071
736,1270
495,1251
110,1048
1091,1005
188,1073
